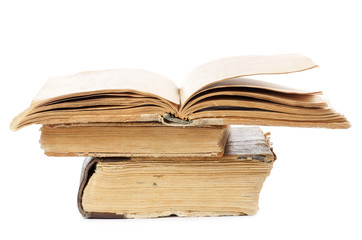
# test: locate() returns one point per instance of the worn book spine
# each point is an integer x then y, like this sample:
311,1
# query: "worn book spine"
88,168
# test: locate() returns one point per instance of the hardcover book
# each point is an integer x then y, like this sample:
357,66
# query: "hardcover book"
179,186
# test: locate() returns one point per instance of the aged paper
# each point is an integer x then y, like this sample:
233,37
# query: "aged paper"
119,79
241,66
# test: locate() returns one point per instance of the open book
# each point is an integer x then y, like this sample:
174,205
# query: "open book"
216,93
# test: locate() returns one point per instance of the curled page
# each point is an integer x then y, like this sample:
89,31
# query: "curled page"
125,79
121,83
241,66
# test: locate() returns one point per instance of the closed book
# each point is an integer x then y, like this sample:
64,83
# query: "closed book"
179,186
133,140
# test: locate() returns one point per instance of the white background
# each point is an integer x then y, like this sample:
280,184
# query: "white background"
314,190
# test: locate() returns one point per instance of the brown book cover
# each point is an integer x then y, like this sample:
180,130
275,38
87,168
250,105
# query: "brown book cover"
184,187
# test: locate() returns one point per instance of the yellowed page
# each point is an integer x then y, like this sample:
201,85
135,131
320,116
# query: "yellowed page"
121,81
241,82
125,79
241,66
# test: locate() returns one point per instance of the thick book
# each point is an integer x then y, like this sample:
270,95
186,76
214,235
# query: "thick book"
216,93
133,140
179,186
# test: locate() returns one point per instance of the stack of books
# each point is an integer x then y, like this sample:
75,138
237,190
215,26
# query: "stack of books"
156,150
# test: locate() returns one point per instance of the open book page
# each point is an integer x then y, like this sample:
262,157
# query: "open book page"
241,66
251,90
110,95
120,79
253,83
